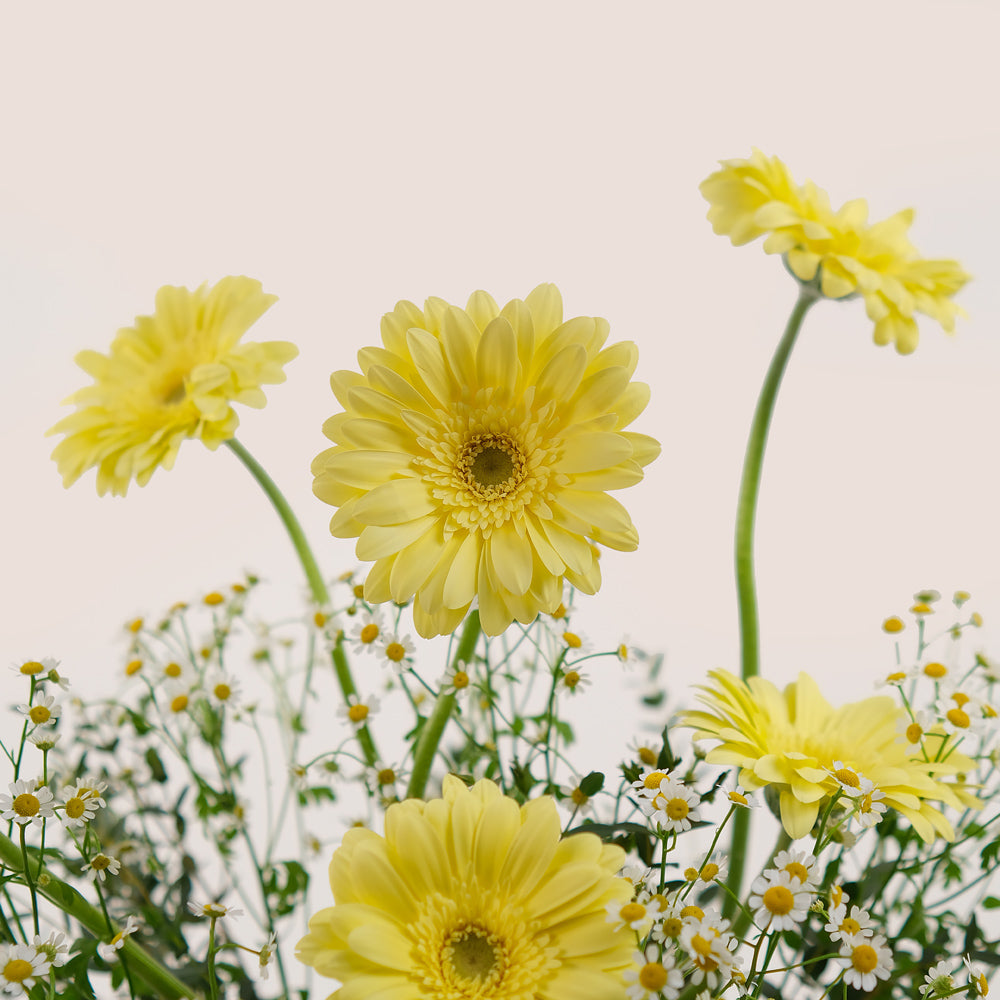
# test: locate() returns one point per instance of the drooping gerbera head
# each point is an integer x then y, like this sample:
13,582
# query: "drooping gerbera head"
472,896
171,376
808,750
847,255
474,456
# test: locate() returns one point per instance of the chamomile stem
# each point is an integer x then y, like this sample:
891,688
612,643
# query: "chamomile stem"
430,735
317,586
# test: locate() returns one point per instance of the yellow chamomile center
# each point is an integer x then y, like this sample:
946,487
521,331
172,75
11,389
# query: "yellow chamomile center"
572,640
864,958
179,703
571,679
960,699
647,756
369,633
672,927
740,800
778,900
677,809
386,776
173,670
31,668
579,799
357,713
460,680
958,718
133,667
654,779
75,807
395,651
26,804
797,870
653,976
39,714
914,732
222,691
693,911
850,926
847,777
935,670
709,871
632,911
17,970
100,863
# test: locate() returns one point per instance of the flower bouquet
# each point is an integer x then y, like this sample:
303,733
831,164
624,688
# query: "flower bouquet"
164,842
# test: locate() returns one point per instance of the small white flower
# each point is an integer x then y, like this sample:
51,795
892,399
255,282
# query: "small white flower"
27,803
675,806
649,782
780,902
456,680
223,689
35,668
110,950
575,797
708,942
55,948
382,775
913,730
44,739
358,712
394,651
631,914
938,982
865,961
737,795
214,910
99,866
366,632
43,710
79,805
870,808
851,782
266,956
20,966
843,927
652,978
977,977
800,865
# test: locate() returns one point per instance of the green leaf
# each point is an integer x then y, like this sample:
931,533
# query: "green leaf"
592,783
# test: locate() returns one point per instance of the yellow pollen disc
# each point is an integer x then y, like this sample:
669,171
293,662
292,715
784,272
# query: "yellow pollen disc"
319,619
864,958
173,670
778,900
672,927
893,624
654,779
631,912
179,703
571,679
357,713
989,711
26,804
395,651
920,608
847,777
213,598
701,945
75,807
740,800
797,870
866,804
386,776
369,633
133,667
647,756
460,680
850,926
30,668
653,976
898,675
491,465
958,718
693,911
472,955
935,670
960,699
677,809
579,799
359,591
914,732
691,874
135,625
572,640
976,619
709,871
17,970
39,714
223,692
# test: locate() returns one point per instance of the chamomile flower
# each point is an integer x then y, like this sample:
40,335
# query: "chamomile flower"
738,795
977,977
800,865
214,911
938,982
780,902
651,978
870,808
844,927
394,650
366,631
79,806
110,950
675,807
20,966
669,923
99,866
456,680
223,689
708,943
34,668
55,948
383,776
27,803
631,914
715,869
575,797
636,874
646,752
649,782
573,681
43,710
266,956
865,961
913,730
44,739
851,782
357,712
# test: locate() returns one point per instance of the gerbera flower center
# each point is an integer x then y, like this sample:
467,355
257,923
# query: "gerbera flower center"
173,391
677,809
26,804
778,900
490,463
17,970
653,976
472,954
864,958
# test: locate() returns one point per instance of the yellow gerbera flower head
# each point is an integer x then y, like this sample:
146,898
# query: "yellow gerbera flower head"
472,895
791,740
839,250
474,456
171,376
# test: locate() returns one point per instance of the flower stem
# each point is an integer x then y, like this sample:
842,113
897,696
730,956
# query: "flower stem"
161,981
317,586
430,735
746,509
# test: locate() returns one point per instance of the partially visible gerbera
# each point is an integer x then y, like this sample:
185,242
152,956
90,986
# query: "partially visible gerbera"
791,740
171,376
839,249
472,895
475,454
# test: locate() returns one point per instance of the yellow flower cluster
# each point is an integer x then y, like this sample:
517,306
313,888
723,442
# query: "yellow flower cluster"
758,197
791,740
475,453
472,895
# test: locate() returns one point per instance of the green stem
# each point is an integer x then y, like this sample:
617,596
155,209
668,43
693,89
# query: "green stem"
746,509
160,980
320,593
430,735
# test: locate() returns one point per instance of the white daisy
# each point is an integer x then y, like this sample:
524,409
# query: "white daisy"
651,978
865,961
43,710
780,902
20,966
394,650
938,981
99,866
110,950
358,712
266,956
675,807
800,865
213,910
27,803
842,926
634,915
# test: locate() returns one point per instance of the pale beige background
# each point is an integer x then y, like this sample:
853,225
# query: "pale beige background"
349,155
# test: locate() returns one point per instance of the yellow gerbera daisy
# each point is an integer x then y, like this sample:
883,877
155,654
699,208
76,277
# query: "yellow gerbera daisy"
171,376
792,739
757,197
474,456
471,895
